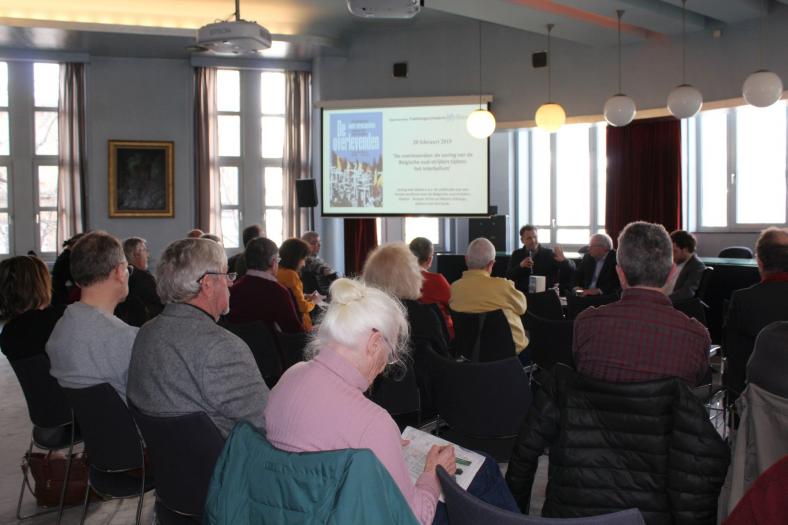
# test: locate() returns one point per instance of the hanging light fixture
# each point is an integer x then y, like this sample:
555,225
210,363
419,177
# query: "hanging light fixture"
684,101
762,88
480,123
619,109
550,116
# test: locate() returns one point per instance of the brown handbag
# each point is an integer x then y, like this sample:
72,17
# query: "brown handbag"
49,470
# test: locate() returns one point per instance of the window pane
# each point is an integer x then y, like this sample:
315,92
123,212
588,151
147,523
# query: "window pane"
47,186
428,227
230,227
272,92
5,241
46,85
47,231
545,234
760,159
601,172
273,186
273,225
3,84
573,177
3,187
229,136
540,176
273,137
228,179
46,133
713,171
228,90
4,137
566,236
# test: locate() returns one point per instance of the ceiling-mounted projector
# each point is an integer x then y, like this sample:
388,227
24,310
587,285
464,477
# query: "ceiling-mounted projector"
385,8
234,37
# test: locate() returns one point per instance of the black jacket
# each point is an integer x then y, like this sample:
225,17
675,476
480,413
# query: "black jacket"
608,278
688,280
544,264
615,446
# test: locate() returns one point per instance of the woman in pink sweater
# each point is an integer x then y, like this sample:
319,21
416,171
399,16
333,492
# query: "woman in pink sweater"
320,405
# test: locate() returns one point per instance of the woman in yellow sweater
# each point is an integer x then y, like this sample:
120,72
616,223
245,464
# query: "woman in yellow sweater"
293,253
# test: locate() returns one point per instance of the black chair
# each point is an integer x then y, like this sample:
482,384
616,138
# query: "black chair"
694,308
550,341
481,406
545,304
183,451
292,347
309,282
482,337
576,303
113,445
399,395
264,346
736,252
444,327
703,286
50,413
466,509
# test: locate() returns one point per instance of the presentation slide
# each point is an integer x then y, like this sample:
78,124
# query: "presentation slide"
416,160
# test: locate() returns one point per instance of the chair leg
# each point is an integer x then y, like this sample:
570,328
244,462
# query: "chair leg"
22,490
68,472
86,502
142,488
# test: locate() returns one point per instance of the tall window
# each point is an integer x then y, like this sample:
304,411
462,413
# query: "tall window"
251,129
5,233
46,78
561,182
738,163
428,227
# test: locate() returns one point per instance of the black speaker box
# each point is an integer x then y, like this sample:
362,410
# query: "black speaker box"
493,229
306,193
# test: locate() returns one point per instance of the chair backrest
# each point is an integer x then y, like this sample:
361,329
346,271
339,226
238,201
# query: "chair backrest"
397,395
183,450
550,340
265,349
46,401
111,437
736,252
292,347
444,327
705,279
309,281
545,304
576,304
464,508
693,308
483,336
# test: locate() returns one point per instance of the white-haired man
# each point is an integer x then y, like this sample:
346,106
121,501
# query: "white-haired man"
143,302
316,274
596,274
184,362
476,291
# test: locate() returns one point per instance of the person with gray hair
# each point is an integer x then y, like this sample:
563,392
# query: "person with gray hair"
182,361
142,303
641,337
435,289
237,263
477,291
317,275
89,345
596,274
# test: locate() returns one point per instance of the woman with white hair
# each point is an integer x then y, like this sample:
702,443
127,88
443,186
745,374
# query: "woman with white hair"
319,405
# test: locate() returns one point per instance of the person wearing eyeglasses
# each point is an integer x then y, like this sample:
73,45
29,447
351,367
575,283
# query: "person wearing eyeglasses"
142,303
596,273
182,361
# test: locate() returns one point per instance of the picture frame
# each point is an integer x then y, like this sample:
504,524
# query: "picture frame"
141,178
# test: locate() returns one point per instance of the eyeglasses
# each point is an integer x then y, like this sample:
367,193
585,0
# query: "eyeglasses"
231,277
130,268
392,360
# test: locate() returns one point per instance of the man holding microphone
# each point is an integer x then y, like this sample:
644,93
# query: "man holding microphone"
535,259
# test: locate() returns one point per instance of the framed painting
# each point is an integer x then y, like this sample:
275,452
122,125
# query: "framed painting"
141,179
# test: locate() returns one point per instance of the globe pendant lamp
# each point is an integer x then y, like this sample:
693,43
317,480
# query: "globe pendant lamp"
480,123
684,101
619,109
550,116
762,88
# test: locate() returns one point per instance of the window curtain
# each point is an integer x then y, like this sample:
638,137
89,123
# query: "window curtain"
644,174
207,197
72,155
361,237
296,161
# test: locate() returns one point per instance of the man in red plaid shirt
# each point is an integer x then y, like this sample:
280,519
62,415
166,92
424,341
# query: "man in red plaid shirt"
641,337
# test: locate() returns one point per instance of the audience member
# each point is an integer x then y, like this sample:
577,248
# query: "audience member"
211,237
764,503
689,269
435,289
753,308
768,364
641,337
184,362
25,294
258,296
394,269
236,263
316,269
142,303
535,259
195,234
62,283
476,291
89,345
596,274
292,255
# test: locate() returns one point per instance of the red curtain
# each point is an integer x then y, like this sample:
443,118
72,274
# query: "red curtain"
361,237
644,174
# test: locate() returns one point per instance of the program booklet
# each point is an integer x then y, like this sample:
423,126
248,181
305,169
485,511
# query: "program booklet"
468,462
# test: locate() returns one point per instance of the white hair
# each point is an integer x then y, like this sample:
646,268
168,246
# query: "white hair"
183,263
605,238
480,252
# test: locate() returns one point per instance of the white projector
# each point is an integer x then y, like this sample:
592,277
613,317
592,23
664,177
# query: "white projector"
238,37
385,8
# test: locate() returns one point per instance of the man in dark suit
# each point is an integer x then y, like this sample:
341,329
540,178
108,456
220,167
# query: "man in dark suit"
596,274
142,303
535,259
751,309
688,267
